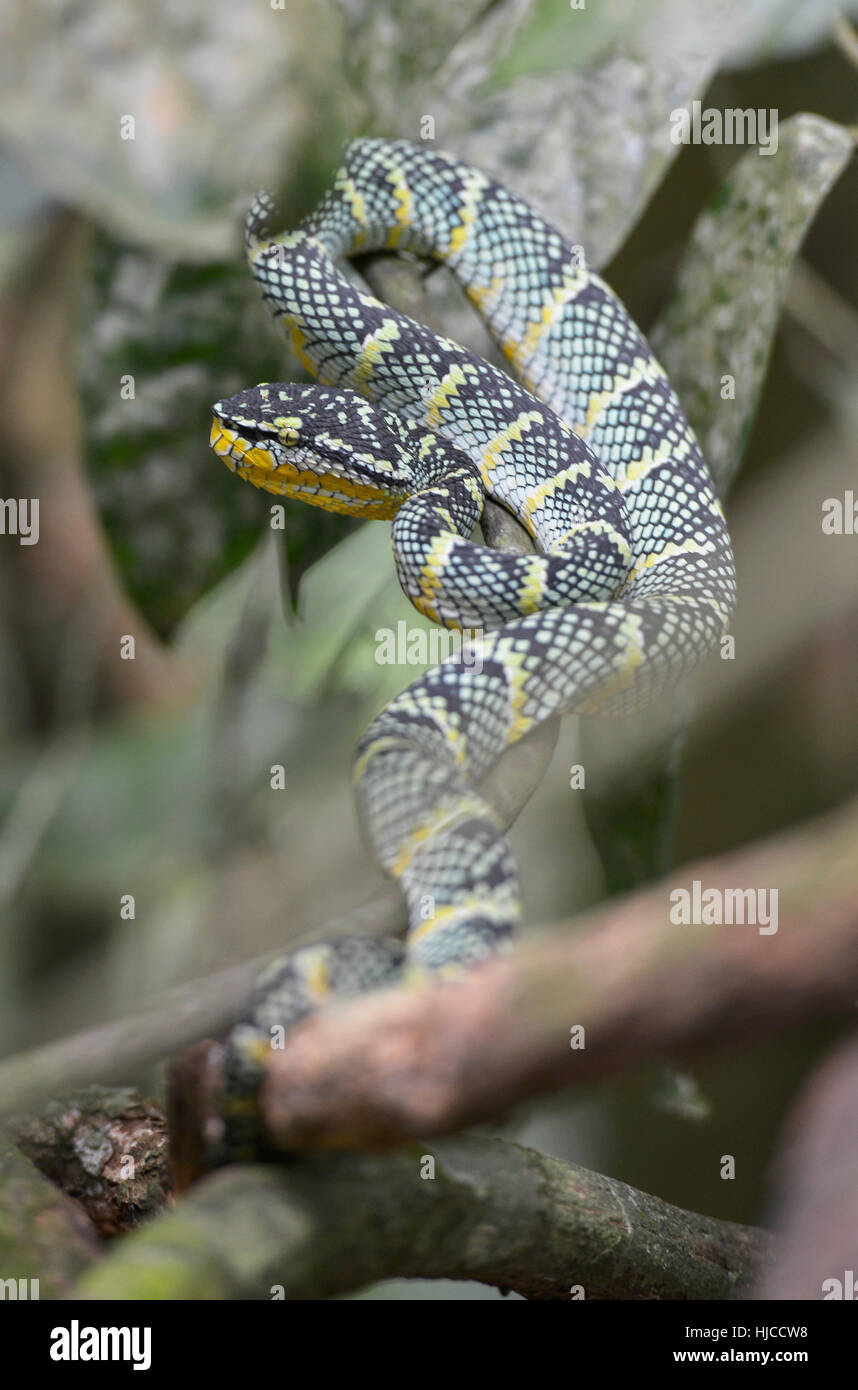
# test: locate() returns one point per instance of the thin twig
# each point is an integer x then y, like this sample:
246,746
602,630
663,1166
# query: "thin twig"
846,39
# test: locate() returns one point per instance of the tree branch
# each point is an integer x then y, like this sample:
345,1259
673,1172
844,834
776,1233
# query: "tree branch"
625,963
389,1067
44,1235
493,1211
106,1149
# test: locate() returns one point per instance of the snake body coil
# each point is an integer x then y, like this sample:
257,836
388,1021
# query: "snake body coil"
634,582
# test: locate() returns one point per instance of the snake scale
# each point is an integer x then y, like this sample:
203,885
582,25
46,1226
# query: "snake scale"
633,580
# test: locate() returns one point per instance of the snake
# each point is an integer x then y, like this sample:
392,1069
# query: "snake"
631,582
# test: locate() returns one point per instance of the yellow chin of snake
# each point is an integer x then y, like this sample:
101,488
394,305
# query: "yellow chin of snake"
330,491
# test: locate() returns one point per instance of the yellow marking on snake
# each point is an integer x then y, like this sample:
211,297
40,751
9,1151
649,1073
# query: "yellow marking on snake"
535,499
632,472
632,659
485,297
403,209
521,351
597,527
298,340
643,369
346,186
372,351
511,435
531,595
442,395
379,745
431,580
317,974
690,546
329,491
473,188
448,915
444,817
517,677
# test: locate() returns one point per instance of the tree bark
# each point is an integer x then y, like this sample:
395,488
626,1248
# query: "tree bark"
493,1211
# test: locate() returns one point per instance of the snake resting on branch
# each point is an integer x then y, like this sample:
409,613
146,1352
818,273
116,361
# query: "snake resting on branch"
633,583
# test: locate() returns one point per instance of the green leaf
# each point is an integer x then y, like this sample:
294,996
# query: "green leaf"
567,34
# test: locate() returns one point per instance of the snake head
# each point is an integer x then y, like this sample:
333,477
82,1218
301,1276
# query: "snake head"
328,447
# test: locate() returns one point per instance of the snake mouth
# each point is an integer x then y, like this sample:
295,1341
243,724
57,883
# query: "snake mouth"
247,455
299,476
220,438
234,447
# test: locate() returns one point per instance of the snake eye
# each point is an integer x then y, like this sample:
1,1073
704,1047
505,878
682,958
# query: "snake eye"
287,428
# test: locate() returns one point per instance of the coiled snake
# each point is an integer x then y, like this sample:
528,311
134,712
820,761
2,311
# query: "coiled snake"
633,583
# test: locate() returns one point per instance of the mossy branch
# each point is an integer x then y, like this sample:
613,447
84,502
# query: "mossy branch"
493,1211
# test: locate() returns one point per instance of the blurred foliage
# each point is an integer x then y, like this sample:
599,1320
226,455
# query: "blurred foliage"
167,333
222,97
185,335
